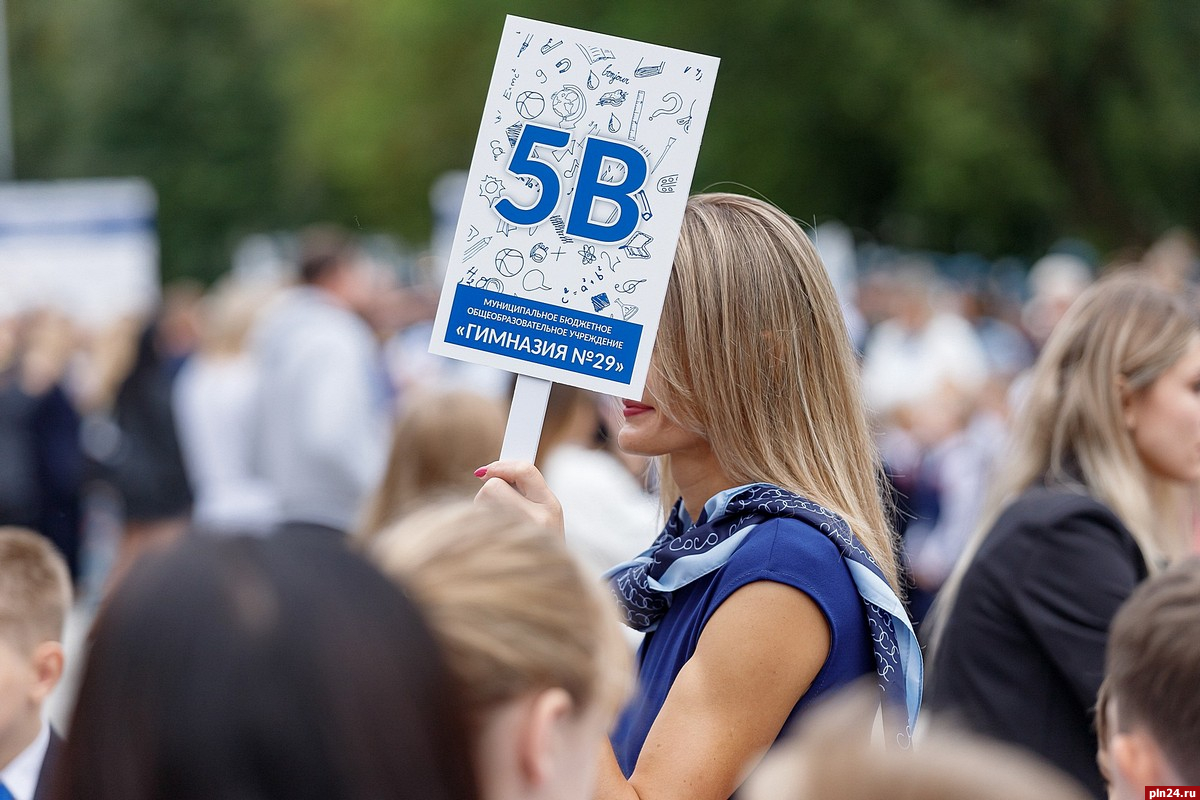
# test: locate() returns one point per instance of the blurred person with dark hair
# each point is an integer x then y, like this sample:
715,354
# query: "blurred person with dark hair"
1148,717
321,424
41,471
141,458
264,669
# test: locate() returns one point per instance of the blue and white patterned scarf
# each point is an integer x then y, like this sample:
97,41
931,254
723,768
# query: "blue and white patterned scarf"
682,554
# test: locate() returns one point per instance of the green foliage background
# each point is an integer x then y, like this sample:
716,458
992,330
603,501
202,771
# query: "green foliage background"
992,126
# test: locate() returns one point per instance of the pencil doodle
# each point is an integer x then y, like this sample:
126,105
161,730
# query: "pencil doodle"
474,249
644,204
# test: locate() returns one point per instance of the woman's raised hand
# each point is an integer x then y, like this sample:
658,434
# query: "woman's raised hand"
519,485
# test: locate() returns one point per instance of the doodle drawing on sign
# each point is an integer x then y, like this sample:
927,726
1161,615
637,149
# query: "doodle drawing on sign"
474,249
563,64
469,278
594,54
649,70
569,104
644,204
667,149
667,183
530,105
550,45
509,262
614,125
628,287
637,246
673,103
534,280
637,114
539,252
600,302
490,188
491,285
627,309
613,98
525,44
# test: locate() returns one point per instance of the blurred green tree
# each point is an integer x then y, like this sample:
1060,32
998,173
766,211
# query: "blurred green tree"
993,126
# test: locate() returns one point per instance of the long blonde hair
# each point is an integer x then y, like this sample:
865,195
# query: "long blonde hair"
512,607
438,442
753,353
1115,341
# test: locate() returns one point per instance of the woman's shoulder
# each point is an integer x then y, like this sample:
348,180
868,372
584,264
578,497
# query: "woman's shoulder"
790,551
1043,506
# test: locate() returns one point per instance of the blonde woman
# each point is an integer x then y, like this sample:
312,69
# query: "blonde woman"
1086,507
533,642
774,580
438,439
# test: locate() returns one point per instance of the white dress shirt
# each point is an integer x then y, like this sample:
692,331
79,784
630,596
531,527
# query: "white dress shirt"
21,774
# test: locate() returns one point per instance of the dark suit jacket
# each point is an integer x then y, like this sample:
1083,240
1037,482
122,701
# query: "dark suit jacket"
42,792
1022,655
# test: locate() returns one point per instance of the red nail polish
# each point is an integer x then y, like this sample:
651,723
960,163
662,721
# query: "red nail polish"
479,473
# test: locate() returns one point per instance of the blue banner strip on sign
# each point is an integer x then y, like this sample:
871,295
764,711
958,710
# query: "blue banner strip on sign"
588,344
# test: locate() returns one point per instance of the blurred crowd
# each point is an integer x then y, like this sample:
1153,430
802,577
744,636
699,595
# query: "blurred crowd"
305,407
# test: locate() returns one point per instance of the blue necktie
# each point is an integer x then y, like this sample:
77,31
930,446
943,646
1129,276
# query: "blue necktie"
5,794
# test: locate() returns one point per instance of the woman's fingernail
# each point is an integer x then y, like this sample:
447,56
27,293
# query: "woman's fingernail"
479,473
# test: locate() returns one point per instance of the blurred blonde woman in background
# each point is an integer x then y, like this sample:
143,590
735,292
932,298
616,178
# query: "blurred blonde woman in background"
439,440
1088,504
533,642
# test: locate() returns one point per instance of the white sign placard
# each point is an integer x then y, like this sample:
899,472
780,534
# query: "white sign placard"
86,247
573,206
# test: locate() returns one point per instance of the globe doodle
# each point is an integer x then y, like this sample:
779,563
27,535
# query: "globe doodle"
530,105
569,103
509,262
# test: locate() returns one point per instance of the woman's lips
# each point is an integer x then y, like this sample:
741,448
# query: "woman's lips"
632,409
